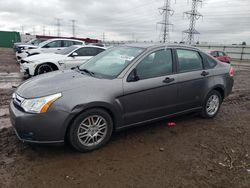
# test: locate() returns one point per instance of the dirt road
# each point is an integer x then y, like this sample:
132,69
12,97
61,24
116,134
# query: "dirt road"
195,153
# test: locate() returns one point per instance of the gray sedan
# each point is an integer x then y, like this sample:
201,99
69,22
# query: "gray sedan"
121,87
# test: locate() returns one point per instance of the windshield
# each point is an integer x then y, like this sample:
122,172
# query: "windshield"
67,51
44,43
111,63
36,42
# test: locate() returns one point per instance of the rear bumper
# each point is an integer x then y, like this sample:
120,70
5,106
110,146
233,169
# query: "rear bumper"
38,128
229,86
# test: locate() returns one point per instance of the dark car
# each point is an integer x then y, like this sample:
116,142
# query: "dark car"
221,56
121,87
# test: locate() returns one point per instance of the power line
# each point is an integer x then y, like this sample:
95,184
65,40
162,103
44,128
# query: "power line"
167,11
193,15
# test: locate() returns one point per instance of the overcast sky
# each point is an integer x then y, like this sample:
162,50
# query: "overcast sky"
224,21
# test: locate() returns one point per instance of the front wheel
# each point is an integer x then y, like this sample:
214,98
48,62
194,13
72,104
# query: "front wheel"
211,104
44,68
90,130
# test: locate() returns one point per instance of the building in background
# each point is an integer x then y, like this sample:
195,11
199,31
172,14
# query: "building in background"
8,38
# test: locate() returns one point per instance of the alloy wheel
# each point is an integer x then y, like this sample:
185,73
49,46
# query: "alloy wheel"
92,130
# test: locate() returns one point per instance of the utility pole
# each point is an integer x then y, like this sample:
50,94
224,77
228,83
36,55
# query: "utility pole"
22,28
193,15
34,30
167,12
58,24
73,28
43,30
103,37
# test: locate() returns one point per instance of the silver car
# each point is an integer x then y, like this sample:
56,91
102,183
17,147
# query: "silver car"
121,87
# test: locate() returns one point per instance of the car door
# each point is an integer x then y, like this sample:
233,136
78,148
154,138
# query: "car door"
52,47
150,90
81,56
193,80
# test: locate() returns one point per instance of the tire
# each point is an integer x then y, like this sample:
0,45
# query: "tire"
212,110
44,68
84,137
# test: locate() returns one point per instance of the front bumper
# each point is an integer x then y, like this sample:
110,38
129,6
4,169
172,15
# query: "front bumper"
46,128
27,70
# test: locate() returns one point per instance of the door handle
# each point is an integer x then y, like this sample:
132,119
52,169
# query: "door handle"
168,80
204,73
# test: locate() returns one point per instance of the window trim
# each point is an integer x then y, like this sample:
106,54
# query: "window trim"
149,53
177,61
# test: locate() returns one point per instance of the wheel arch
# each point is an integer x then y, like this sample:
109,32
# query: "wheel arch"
220,89
78,110
54,66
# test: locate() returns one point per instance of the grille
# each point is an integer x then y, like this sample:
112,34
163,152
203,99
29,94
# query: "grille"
18,100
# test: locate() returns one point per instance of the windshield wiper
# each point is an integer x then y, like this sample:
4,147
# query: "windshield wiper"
86,71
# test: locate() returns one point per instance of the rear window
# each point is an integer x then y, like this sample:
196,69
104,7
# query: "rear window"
209,62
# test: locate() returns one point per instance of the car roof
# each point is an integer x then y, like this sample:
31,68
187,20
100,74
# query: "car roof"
55,39
159,45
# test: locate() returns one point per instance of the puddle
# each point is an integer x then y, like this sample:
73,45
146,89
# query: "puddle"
4,111
7,81
5,123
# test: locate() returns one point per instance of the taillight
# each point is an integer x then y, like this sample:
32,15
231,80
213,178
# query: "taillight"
231,72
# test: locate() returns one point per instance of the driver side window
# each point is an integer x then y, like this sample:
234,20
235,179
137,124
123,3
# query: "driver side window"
156,64
54,44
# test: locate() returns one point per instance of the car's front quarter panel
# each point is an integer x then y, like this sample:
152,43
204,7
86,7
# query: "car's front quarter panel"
103,96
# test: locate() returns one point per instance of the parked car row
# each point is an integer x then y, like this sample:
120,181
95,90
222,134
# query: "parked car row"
55,54
67,58
119,88
48,46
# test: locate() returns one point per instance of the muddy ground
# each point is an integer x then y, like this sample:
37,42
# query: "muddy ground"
195,153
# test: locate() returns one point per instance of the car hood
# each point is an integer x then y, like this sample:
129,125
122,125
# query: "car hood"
42,57
56,82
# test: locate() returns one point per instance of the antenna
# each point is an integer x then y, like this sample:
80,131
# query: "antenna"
167,12
193,15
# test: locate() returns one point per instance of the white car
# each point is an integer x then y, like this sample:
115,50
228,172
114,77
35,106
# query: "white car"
21,48
65,59
50,46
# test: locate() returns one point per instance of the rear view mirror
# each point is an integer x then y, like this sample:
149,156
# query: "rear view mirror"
133,77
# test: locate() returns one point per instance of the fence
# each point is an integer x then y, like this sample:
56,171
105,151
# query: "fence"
237,52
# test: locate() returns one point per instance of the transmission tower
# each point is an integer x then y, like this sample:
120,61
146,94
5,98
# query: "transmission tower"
167,12
58,24
193,15
73,28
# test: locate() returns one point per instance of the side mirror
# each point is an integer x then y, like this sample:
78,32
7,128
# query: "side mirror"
133,77
74,54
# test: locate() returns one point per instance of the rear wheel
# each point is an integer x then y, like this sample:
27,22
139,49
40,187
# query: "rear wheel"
44,68
211,104
90,130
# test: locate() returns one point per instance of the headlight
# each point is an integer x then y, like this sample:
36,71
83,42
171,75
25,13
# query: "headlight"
39,105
